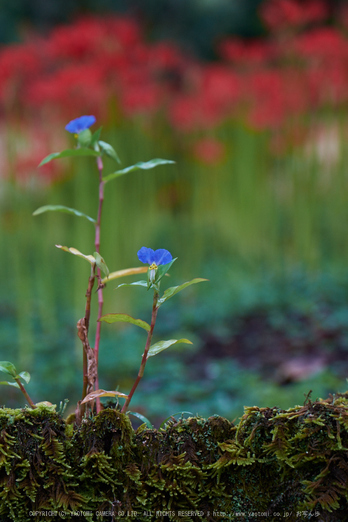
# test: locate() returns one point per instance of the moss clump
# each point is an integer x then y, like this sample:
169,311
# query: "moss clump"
35,472
273,461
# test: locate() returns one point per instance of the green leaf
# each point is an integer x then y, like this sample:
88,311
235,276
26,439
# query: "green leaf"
84,138
136,283
76,252
141,417
138,166
69,152
62,208
25,376
95,138
163,269
9,368
109,150
175,289
114,318
10,383
163,345
101,263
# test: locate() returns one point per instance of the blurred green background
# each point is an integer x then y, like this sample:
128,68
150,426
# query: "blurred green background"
263,217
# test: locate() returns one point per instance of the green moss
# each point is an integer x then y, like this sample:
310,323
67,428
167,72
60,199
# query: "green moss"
273,460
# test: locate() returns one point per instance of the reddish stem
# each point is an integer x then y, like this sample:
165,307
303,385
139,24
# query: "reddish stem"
25,393
100,291
146,350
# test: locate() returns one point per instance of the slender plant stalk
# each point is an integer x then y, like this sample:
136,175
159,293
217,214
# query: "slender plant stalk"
87,316
100,289
25,393
146,350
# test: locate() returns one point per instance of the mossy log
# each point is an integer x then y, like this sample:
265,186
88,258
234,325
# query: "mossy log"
274,464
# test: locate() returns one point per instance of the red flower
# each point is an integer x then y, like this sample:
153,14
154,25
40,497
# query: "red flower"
246,54
282,14
72,89
324,44
215,93
141,98
88,37
18,63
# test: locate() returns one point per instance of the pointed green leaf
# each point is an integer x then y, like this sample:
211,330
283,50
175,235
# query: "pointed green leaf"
163,269
10,383
69,152
9,368
95,138
136,283
76,252
25,376
138,166
175,289
101,263
109,150
163,345
114,318
62,208
142,418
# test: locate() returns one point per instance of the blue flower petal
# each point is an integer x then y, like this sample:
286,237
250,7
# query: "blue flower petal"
159,257
162,257
80,124
145,255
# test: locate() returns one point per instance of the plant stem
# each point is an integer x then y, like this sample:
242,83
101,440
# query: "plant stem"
146,350
25,393
100,289
86,324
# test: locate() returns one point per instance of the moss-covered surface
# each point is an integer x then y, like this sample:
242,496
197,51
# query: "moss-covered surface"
274,464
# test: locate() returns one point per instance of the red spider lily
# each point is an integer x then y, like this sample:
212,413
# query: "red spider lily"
215,92
284,14
87,37
74,88
78,67
141,98
246,54
324,44
18,63
274,95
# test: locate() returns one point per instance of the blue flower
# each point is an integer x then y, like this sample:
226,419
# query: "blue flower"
154,257
80,124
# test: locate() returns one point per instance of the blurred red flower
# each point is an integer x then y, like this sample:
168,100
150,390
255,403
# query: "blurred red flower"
215,92
301,65
246,54
75,88
286,14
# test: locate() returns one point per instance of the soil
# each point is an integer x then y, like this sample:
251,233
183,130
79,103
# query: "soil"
293,350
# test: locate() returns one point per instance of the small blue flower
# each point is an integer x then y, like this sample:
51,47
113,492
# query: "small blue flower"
154,257
80,124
